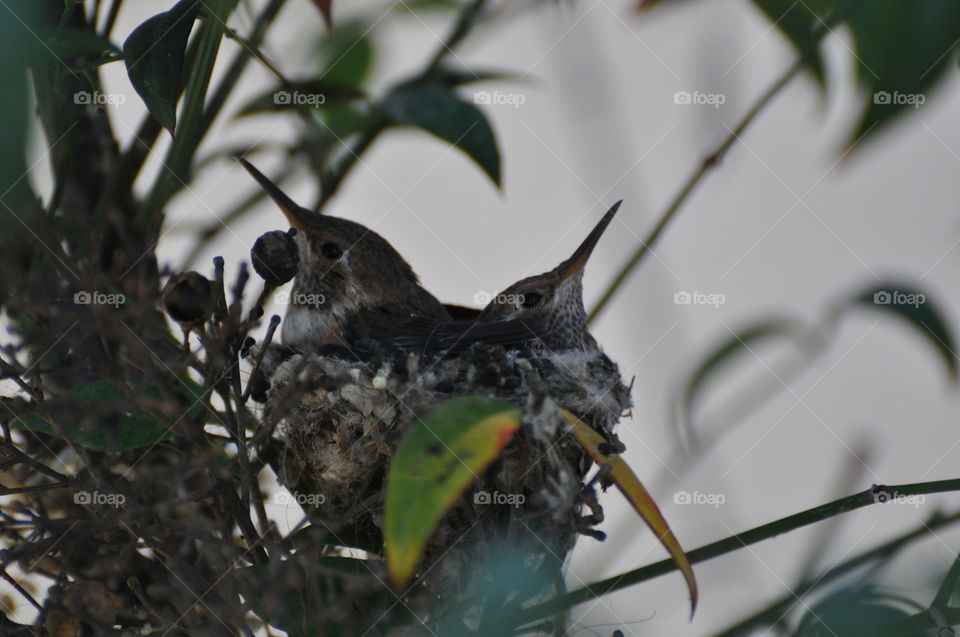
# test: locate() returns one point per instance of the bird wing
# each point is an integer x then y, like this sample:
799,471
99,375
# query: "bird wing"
390,328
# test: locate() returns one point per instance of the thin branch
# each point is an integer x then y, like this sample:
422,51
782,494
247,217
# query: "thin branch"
776,611
732,543
948,586
713,158
706,165
331,182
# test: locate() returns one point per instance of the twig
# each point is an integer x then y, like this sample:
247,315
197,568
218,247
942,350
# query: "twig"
20,589
709,162
730,544
713,158
330,183
111,17
274,322
776,611
948,587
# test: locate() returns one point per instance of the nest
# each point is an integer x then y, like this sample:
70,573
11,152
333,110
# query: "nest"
340,421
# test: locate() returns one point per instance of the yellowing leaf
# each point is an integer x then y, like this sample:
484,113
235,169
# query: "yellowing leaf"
627,481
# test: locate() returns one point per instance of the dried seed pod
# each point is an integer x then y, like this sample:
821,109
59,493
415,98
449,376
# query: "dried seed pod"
188,299
275,256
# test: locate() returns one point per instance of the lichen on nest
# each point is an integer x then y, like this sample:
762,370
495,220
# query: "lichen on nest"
341,420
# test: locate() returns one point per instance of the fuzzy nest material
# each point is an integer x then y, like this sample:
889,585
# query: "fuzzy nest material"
340,421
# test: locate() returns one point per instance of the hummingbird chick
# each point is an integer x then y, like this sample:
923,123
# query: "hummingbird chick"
587,380
544,313
353,291
348,277
554,299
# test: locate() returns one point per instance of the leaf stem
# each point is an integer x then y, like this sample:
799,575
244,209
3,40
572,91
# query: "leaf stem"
186,139
708,163
730,544
713,158
775,612
331,182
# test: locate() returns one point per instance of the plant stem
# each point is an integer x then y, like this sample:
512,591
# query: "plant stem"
238,64
730,544
186,139
713,158
708,163
331,182
111,17
775,612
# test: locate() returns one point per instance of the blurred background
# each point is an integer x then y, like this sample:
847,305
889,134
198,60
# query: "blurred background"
788,225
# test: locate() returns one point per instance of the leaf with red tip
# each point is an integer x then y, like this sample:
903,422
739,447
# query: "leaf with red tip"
628,483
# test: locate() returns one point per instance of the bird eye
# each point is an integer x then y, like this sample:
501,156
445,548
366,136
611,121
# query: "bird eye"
331,250
531,299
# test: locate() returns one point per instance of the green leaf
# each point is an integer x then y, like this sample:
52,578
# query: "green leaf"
918,310
896,77
298,593
276,590
728,350
799,21
450,75
154,54
346,55
435,109
849,613
313,93
67,42
105,428
438,458
422,6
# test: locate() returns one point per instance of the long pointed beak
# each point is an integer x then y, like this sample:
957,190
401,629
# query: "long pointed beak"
576,263
298,216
